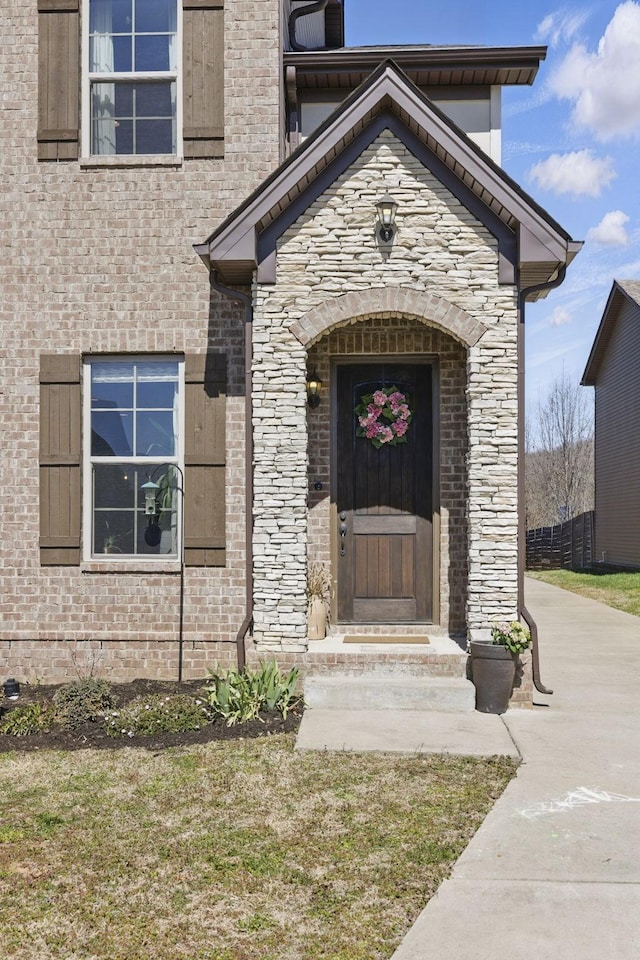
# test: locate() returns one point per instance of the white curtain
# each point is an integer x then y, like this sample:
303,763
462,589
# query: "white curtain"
102,94
173,65
173,39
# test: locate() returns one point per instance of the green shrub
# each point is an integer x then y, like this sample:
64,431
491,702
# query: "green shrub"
156,713
278,692
238,697
82,701
232,696
28,719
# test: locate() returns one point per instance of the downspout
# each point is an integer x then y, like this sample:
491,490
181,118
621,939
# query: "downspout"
241,653
522,533
296,15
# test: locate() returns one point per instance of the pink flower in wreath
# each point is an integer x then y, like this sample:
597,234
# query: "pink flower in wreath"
380,398
372,431
395,399
374,410
400,427
403,411
385,434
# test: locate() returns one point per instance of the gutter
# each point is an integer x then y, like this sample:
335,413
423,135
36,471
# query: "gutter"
241,653
522,538
296,15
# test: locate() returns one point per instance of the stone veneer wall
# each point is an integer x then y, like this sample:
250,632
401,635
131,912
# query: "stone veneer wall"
99,258
442,251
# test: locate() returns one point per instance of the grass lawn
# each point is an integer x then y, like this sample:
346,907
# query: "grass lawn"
240,850
619,590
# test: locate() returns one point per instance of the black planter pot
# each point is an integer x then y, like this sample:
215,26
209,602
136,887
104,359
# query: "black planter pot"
493,670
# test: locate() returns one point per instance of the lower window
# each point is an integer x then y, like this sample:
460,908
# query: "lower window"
133,453
133,118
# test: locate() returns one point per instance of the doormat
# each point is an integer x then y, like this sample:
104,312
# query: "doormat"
372,638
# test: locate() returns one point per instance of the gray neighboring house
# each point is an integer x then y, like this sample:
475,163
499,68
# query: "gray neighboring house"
612,369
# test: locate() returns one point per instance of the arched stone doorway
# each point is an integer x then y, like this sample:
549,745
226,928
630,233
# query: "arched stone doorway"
397,342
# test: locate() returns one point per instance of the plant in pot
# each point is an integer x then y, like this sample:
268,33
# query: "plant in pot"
493,665
318,598
109,544
112,542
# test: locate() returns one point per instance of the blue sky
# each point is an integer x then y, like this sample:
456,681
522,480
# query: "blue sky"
572,141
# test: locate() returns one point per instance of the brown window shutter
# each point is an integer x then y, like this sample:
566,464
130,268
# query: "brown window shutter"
60,459
205,452
203,78
58,79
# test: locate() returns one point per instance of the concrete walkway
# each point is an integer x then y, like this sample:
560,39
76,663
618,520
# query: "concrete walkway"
554,871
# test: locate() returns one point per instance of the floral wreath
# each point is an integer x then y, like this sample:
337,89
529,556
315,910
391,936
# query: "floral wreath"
384,417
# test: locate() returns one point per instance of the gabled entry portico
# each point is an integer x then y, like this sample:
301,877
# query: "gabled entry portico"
423,532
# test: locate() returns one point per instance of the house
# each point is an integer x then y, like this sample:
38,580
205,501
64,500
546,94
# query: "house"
209,205
612,368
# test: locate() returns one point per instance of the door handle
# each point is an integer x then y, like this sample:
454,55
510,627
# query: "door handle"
343,537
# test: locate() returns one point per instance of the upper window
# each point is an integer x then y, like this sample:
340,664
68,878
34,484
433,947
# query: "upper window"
133,77
133,415
152,80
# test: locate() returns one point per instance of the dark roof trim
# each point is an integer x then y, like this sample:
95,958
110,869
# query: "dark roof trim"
489,65
620,291
541,240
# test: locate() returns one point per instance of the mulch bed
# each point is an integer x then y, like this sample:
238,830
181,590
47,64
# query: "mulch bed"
93,736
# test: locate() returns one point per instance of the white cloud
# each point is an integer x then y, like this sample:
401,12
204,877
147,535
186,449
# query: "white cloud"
604,85
560,317
562,25
578,174
611,231
521,148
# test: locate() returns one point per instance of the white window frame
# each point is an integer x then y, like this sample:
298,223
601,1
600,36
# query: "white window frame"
88,78
88,461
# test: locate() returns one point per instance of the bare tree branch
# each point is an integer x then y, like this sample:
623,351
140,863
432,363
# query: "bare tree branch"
559,457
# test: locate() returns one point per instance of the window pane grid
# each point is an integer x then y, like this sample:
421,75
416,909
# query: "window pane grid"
134,438
132,77
120,525
134,118
117,32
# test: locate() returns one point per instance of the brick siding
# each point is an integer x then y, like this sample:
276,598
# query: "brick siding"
100,259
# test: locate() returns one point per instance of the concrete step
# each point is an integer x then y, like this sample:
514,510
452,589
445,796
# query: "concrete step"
385,665
340,692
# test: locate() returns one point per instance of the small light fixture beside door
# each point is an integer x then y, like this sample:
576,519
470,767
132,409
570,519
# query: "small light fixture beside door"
314,387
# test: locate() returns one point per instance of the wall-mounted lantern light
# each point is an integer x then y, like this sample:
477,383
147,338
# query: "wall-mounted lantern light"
314,386
386,207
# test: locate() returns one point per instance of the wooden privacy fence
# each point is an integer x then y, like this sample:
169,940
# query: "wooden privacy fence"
568,545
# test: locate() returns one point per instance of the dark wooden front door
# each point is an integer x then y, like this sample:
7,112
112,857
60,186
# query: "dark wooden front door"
384,501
